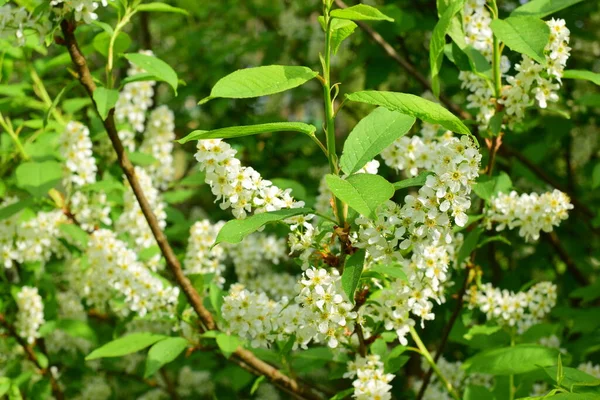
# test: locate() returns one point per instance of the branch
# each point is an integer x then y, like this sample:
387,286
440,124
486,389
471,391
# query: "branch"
260,367
56,391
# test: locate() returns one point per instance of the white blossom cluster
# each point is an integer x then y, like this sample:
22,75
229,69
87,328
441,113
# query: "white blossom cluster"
200,256
15,22
191,382
521,310
84,10
89,209
132,220
113,266
240,188
30,240
371,381
94,387
158,142
273,284
531,213
256,254
532,80
31,313
134,100
590,369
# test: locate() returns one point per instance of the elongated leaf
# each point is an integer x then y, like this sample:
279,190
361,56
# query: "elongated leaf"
352,271
38,178
228,344
9,211
519,359
468,245
75,233
102,41
360,12
125,345
340,30
77,328
394,271
154,66
412,105
371,136
488,187
105,99
527,35
572,377
438,41
481,330
260,81
542,8
142,77
247,130
162,353
362,192
53,105
582,75
236,230
161,7
418,180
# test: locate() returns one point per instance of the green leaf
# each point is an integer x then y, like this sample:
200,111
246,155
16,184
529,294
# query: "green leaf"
583,75
412,105
343,394
371,136
9,211
395,271
379,347
256,384
154,66
161,7
4,385
469,245
162,353
125,345
496,123
260,81
481,330
38,177
514,360
141,159
438,41
215,295
527,35
247,130
340,30
418,180
76,328
542,8
571,377
143,77
236,230
360,12
102,41
476,392
352,271
228,344
362,192
488,187
105,99
53,105
395,360
75,233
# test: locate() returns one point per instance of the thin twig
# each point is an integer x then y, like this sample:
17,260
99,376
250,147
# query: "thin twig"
554,241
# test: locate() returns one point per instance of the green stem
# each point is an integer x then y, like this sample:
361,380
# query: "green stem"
44,96
339,208
511,377
7,126
120,25
423,350
496,57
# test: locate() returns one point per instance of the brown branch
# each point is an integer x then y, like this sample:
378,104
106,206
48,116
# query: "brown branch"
246,356
170,386
553,240
56,391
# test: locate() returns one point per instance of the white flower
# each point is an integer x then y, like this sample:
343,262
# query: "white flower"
371,381
30,315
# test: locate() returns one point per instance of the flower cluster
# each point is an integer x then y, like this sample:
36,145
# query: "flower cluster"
590,369
94,387
371,381
201,257
84,10
275,285
15,22
240,188
532,80
256,254
532,213
158,142
135,99
31,313
194,382
114,266
521,310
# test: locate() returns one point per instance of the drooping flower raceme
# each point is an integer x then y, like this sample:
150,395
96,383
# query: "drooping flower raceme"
31,313
521,310
371,381
531,213
201,257
158,142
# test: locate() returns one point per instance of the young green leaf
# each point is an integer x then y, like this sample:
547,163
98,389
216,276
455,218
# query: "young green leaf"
162,353
75,233
518,359
340,30
141,159
371,136
362,192
476,392
105,99
260,81
12,209
228,344
412,105
4,385
582,75
438,41
154,66
571,377
102,41
469,244
125,345
161,7
76,328
360,12
481,330
394,271
418,180
247,130
487,187
54,104
527,35
236,230
38,177
352,271
542,8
